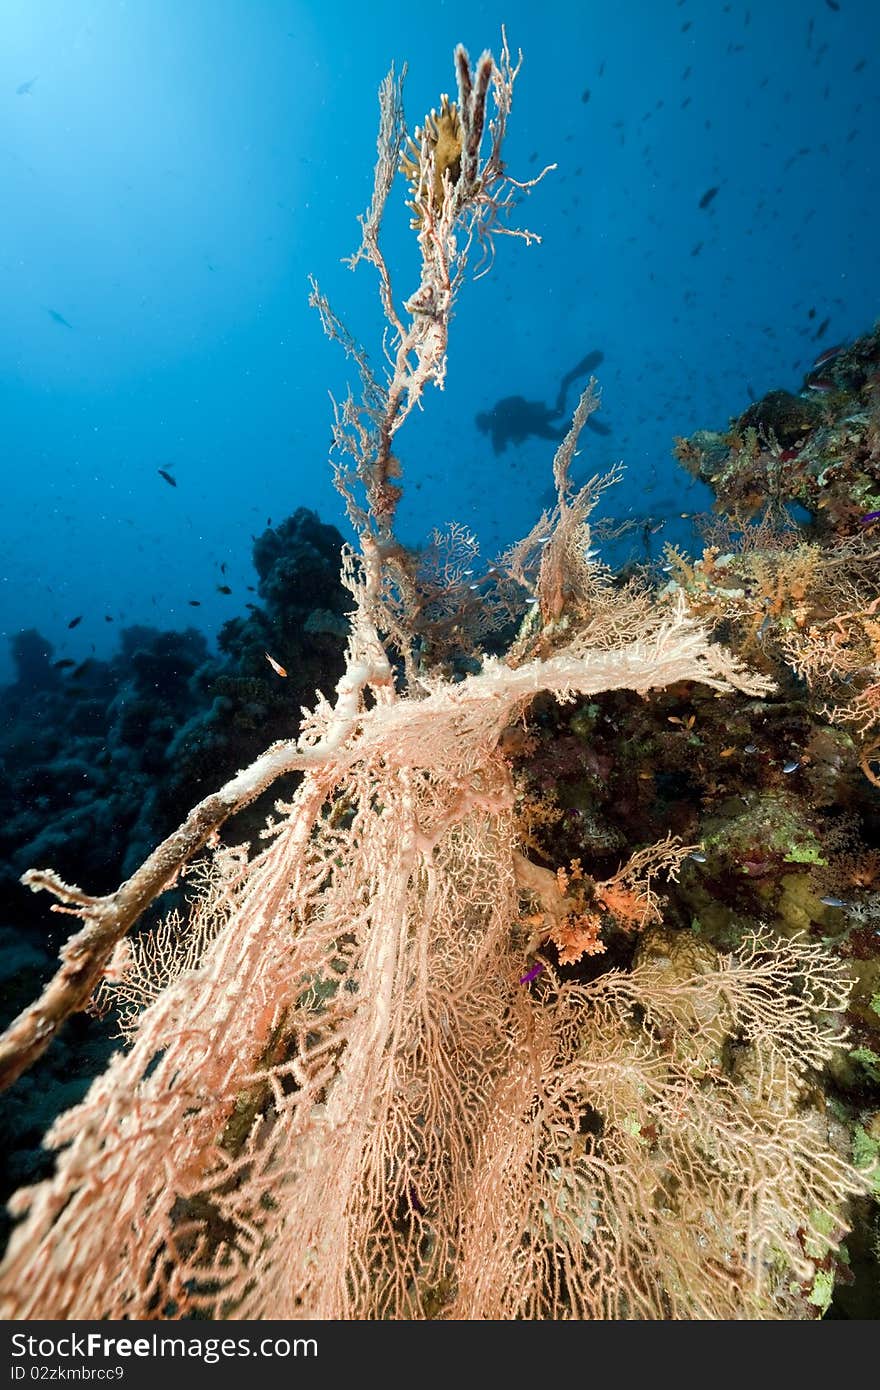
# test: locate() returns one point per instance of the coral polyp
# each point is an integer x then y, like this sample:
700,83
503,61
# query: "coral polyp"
443,134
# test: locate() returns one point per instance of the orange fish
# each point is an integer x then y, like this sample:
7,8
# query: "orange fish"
276,666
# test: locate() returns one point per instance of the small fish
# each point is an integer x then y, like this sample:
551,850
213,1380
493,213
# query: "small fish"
276,665
107,618
869,517
58,318
63,664
531,974
822,387
223,567
750,748
698,857
827,356
195,603
792,765
223,589
707,197
25,88
75,622
167,476
833,902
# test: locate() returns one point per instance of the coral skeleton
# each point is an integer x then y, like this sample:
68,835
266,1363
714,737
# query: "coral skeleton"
347,1089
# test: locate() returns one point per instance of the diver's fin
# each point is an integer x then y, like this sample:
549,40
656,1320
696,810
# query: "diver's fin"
579,372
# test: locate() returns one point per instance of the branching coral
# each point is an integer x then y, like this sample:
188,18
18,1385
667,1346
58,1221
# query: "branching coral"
352,1001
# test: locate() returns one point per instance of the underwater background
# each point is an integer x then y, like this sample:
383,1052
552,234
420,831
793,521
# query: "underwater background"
173,172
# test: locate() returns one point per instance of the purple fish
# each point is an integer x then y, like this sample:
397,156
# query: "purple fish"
532,974
869,517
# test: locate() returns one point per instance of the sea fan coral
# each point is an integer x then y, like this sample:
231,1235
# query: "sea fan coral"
346,1095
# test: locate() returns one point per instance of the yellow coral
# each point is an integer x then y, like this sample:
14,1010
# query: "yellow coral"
444,136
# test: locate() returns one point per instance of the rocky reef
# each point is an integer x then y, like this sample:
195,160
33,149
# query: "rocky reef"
778,795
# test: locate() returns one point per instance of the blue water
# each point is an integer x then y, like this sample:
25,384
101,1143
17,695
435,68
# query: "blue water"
173,170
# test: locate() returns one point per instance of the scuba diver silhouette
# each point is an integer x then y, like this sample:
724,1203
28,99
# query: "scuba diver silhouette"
513,420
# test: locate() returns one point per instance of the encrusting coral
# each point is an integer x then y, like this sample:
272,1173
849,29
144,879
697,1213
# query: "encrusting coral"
363,1085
